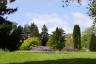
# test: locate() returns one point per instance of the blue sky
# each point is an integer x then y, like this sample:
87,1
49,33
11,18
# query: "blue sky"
51,13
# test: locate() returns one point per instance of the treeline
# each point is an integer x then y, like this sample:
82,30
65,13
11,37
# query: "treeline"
31,33
13,37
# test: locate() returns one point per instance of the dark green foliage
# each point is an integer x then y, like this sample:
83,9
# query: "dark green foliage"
34,30
44,35
92,8
9,32
10,36
15,38
27,30
5,29
57,40
4,9
92,46
77,37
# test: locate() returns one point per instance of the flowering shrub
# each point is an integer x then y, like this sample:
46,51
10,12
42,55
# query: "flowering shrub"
29,43
41,48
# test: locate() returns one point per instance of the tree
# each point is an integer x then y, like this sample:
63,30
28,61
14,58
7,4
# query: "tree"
92,46
4,8
34,30
27,30
77,37
68,2
57,39
86,37
5,31
44,35
15,38
6,27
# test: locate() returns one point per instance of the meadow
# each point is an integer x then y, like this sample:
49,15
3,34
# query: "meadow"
47,58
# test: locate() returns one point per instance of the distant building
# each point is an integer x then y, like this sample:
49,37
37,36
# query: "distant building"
68,36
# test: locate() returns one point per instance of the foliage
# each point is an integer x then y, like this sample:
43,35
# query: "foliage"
77,37
57,40
34,30
27,31
69,41
30,43
41,48
92,46
15,38
6,30
92,8
86,37
44,35
69,2
4,8
9,36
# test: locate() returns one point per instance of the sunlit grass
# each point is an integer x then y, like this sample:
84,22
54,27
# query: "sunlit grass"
48,57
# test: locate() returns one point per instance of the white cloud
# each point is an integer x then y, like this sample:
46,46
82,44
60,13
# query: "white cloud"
45,2
82,19
54,20
51,20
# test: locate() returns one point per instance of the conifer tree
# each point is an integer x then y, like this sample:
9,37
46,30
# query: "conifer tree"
34,30
77,37
92,46
57,39
27,31
44,35
6,27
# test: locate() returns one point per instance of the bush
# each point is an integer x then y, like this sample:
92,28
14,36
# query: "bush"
41,48
30,43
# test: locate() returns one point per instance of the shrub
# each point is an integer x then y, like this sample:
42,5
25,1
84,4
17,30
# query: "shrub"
41,48
30,42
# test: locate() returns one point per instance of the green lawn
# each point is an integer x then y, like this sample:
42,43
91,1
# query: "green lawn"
47,58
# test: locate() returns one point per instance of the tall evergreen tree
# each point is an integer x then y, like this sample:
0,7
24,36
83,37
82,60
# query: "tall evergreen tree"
34,30
92,46
57,39
27,31
15,38
6,27
5,31
77,37
44,35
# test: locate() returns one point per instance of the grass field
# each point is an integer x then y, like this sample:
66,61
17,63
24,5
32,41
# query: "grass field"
47,58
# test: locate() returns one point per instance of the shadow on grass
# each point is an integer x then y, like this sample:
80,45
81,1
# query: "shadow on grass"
62,61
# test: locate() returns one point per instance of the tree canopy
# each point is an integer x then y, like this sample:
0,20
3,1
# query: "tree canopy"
77,37
4,8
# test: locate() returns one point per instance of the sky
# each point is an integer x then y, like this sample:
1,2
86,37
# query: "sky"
51,13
